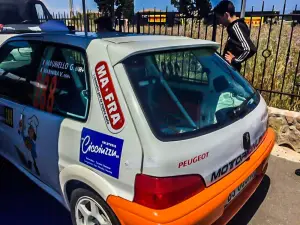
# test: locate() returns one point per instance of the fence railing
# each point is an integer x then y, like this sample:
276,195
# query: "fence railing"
274,70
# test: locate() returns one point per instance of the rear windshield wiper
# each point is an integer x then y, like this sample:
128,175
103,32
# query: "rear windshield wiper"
241,108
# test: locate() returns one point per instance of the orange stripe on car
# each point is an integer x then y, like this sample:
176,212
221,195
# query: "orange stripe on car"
206,207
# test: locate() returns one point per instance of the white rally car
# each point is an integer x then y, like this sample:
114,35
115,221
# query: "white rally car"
132,129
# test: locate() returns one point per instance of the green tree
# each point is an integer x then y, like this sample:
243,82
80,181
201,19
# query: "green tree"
106,7
189,7
123,7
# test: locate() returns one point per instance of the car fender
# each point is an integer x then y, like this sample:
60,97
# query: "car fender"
79,173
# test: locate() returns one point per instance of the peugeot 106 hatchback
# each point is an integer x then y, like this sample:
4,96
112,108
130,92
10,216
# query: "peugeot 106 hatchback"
132,129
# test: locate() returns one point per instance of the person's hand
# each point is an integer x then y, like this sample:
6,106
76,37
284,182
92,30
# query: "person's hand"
229,57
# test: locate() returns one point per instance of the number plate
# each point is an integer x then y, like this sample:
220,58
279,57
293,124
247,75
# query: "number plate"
239,189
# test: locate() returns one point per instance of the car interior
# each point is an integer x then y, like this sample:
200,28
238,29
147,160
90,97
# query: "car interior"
184,93
20,84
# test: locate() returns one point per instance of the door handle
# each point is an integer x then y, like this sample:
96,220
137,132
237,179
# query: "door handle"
21,124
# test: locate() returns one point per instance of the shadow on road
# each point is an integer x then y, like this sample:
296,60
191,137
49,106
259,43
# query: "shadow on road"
249,209
23,202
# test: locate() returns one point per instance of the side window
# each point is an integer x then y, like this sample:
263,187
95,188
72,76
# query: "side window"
62,83
18,68
39,11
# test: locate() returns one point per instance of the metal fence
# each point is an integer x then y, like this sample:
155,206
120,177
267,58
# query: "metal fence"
274,70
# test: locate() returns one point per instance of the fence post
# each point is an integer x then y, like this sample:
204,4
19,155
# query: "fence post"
138,23
215,26
84,17
88,22
243,8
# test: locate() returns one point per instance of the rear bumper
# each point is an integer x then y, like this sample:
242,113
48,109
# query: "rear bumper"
207,207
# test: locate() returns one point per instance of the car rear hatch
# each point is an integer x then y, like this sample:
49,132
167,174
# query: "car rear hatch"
198,115
212,155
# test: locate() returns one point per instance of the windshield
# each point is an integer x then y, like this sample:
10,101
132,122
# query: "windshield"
23,12
188,91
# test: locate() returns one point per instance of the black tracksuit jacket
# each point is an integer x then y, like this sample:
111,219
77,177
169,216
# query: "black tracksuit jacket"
239,43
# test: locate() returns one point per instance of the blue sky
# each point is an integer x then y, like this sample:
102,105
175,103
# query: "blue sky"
62,5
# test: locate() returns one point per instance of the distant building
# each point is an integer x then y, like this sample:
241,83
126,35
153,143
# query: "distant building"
255,18
259,17
157,17
296,18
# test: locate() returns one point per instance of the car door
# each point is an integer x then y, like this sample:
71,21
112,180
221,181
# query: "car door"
10,114
16,64
59,87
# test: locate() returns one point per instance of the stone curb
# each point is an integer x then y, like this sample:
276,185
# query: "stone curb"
287,126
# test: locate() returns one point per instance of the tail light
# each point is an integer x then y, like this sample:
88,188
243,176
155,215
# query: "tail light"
165,192
1,26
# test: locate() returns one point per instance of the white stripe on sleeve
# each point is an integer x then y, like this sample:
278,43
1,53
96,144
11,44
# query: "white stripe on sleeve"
243,41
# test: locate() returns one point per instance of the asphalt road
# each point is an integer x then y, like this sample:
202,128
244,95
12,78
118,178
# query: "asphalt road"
23,203
276,201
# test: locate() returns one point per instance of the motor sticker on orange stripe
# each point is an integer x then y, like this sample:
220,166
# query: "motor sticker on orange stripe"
108,98
228,167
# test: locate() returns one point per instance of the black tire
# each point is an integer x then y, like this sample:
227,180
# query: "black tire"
80,192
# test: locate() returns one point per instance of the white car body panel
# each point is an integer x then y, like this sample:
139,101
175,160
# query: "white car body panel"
4,37
132,152
162,159
123,50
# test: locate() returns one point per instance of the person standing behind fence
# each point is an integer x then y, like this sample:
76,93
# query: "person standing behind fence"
104,24
239,46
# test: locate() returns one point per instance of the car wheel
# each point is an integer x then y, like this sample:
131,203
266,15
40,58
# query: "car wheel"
87,208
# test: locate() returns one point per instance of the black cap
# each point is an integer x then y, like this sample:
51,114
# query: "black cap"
225,6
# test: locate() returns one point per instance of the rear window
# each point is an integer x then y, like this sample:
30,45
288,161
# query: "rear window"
188,92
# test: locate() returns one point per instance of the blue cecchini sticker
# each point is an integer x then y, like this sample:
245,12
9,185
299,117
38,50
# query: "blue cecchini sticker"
101,151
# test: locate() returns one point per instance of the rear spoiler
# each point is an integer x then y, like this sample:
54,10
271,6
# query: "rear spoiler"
48,27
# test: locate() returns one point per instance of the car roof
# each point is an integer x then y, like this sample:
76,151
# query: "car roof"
4,37
78,39
120,45
122,48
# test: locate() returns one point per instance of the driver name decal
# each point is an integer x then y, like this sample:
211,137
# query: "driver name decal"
108,99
